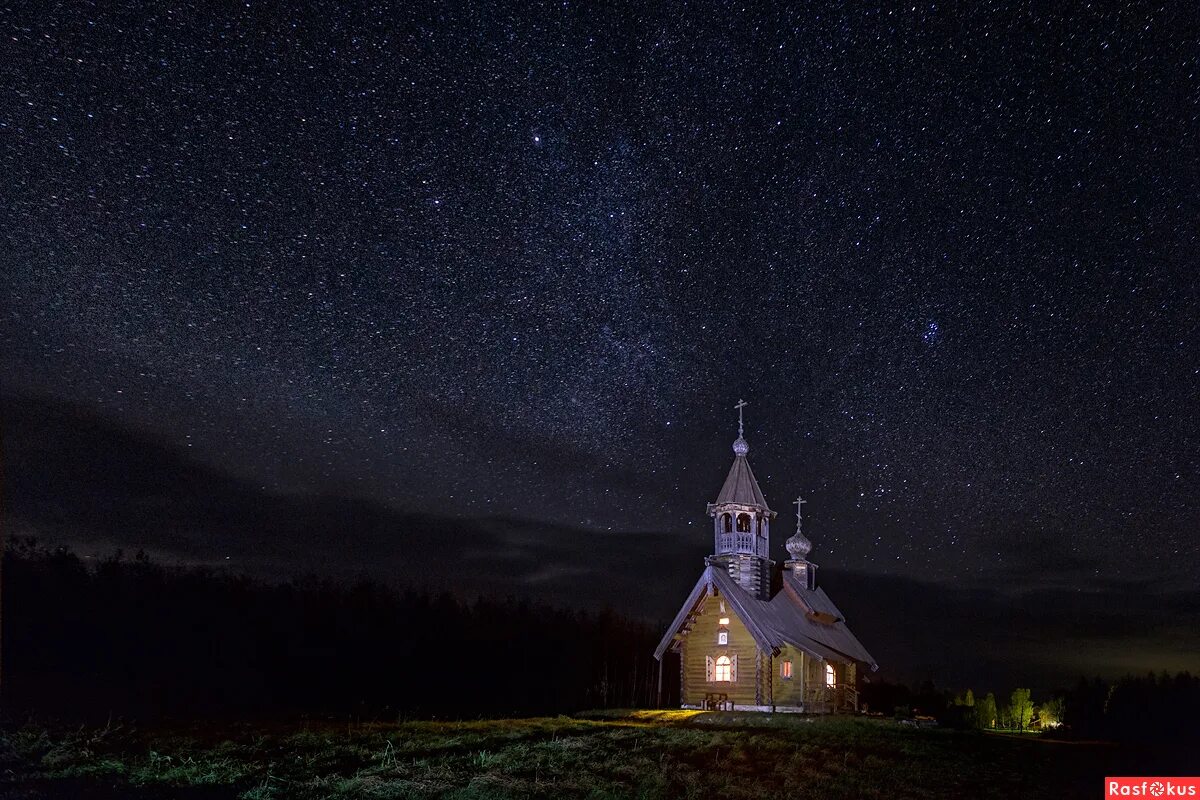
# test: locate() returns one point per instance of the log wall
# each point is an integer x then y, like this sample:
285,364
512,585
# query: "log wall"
701,641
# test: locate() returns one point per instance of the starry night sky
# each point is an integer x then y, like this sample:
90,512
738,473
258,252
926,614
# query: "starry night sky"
489,264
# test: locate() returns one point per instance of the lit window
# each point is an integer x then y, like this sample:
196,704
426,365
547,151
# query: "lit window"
722,637
830,676
785,670
723,669
723,621
722,606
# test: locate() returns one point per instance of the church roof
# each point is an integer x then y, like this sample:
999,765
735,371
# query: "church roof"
740,486
793,616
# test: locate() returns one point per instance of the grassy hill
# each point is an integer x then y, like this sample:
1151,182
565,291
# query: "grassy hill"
631,754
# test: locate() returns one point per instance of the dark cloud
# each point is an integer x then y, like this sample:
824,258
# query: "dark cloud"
76,478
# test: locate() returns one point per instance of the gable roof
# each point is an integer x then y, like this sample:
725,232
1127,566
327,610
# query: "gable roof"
787,618
741,487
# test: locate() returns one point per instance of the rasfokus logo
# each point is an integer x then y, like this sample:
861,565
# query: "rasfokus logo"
1152,787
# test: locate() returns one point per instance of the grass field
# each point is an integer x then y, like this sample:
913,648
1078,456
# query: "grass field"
630,754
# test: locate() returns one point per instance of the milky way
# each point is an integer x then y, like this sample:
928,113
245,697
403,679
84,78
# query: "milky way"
523,263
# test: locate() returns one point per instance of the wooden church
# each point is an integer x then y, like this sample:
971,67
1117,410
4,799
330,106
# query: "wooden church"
749,638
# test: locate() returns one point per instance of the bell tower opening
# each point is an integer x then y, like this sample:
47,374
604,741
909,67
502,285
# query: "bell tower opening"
741,522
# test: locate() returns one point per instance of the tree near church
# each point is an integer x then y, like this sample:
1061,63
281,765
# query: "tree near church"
1020,709
1050,713
961,714
985,711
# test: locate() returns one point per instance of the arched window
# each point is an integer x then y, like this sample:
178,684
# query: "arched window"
724,670
743,524
830,676
726,523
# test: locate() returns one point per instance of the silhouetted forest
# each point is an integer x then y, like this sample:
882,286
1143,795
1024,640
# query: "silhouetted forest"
127,636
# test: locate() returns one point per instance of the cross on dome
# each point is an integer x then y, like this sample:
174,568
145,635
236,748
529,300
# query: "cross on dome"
798,545
740,446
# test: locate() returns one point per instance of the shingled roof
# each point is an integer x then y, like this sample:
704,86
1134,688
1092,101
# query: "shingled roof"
741,487
791,617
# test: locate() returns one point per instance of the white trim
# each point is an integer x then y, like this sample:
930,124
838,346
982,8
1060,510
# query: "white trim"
769,709
761,709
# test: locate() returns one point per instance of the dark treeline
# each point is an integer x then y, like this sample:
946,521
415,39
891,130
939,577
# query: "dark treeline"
1151,708
1156,707
126,636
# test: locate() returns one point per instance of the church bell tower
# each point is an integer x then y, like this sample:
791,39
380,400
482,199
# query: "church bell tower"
742,523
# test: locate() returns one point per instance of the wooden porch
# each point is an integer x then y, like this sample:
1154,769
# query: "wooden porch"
825,699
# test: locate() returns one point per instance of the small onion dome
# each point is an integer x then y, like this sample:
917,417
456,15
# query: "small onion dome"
741,447
798,546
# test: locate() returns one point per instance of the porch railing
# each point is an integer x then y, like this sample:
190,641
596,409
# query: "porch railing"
839,697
